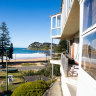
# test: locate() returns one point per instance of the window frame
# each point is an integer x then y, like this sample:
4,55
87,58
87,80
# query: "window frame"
56,27
91,27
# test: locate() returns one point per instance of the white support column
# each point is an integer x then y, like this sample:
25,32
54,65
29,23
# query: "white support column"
52,71
67,46
51,48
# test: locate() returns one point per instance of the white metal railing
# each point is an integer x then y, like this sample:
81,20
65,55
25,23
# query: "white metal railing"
64,64
56,56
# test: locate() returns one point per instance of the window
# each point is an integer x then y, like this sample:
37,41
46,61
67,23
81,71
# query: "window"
68,4
56,25
89,17
88,62
56,31
59,21
54,22
89,54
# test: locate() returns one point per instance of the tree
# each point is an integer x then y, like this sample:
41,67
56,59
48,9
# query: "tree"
62,46
10,52
4,40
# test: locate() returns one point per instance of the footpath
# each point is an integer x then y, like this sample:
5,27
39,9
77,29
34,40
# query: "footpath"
55,90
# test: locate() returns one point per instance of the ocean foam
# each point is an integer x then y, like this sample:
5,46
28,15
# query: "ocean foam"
29,56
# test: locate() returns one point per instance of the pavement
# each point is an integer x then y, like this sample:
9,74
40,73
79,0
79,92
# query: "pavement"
72,85
55,90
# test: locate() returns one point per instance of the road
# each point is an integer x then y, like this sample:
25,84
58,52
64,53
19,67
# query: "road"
26,68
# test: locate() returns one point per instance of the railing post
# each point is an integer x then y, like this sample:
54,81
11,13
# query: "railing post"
52,71
6,74
51,48
64,62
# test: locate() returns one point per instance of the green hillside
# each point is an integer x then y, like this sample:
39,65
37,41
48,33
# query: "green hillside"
41,46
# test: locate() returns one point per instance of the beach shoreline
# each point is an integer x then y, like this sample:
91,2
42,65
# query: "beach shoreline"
18,62
28,60
33,59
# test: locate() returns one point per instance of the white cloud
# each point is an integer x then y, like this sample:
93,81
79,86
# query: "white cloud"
86,41
94,43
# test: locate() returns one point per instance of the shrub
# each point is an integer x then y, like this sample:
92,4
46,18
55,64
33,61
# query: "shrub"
36,88
46,71
57,70
28,73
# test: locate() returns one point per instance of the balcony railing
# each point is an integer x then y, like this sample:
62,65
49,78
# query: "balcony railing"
56,56
69,66
70,69
64,64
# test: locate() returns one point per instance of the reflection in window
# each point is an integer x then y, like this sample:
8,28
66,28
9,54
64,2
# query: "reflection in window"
89,14
89,54
59,21
54,22
68,4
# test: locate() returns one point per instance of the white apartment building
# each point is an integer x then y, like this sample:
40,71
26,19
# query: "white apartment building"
77,23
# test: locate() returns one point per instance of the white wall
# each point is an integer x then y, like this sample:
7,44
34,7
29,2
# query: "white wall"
86,84
64,86
63,17
65,12
76,51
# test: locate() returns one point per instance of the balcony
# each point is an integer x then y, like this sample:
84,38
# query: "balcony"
68,80
56,58
56,25
68,75
70,19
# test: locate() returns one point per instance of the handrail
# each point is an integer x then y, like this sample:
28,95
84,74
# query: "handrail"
56,56
64,64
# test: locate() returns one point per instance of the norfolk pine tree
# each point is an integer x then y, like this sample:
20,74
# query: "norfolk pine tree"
4,40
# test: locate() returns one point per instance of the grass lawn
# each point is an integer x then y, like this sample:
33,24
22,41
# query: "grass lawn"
29,64
17,80
12,86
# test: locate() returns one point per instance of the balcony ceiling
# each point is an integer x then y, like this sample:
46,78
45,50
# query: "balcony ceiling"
71,27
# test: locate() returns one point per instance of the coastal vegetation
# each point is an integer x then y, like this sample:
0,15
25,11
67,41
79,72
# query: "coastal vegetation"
41,46
47,71
19,78
36,88
62,46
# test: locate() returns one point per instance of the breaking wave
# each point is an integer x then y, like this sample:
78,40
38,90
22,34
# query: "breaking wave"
29,56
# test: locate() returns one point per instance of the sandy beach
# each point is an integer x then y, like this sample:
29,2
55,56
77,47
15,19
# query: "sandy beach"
27,60
32,64
19,62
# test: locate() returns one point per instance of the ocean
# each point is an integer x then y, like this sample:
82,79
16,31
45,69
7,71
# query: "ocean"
23,53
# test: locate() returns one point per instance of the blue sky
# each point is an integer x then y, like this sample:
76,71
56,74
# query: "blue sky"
28,20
